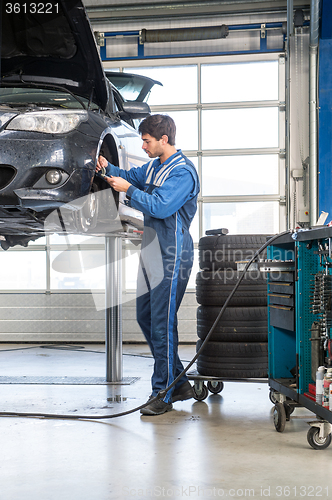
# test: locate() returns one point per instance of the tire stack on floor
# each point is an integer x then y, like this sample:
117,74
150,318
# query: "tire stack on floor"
238,346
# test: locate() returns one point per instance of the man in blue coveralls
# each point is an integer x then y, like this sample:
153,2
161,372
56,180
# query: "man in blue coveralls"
165,189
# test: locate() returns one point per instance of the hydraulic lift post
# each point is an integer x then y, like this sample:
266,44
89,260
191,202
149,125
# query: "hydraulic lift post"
113,303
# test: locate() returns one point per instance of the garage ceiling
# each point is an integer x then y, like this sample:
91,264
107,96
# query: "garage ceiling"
115,11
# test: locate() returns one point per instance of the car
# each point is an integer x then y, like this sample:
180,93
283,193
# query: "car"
59,109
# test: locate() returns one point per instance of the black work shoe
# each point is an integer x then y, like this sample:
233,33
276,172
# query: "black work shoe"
158,407
185,391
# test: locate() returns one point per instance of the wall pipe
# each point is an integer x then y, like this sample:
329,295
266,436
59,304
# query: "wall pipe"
289,34
313,120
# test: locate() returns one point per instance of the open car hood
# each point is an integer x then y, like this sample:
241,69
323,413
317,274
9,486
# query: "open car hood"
53,46
132,87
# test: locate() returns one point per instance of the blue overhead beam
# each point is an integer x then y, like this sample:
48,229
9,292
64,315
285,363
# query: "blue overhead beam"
240,27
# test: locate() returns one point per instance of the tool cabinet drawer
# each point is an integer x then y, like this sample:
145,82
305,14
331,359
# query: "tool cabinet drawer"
282,317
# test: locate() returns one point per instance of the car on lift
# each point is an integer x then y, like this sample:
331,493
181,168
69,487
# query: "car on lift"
59,110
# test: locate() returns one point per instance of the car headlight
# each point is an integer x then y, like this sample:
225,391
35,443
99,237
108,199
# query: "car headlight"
53,176
49,122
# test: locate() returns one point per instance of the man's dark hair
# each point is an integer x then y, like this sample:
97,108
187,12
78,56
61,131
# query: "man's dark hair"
157,126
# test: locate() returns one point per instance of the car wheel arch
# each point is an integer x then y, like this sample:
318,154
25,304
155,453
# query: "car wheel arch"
109,150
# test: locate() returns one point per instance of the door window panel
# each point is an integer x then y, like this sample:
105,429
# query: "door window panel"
23,270
186,129
240,128
238,82
195,269
78,269
194,228
240,175
179,84
243,217
131,264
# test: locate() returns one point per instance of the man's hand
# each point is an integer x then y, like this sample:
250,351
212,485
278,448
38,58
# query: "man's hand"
101,163
118,183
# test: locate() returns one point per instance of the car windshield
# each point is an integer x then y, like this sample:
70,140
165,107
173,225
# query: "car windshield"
19,96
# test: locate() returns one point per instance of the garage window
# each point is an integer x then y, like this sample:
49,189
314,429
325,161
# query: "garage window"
233,175
179,83
241,218
236,82
229,115
23,270
248,128
186,129
230,122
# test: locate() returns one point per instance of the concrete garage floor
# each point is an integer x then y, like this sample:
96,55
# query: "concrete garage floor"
223,447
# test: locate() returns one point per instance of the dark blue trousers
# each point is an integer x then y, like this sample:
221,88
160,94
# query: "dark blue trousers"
157,313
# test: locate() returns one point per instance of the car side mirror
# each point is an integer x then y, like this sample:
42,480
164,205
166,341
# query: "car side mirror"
135,109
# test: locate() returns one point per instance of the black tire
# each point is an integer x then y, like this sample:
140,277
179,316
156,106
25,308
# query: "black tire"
215,386
235,315
236,363
234,350
232,364
279,417
231,373
201,395
206,298
220,358
234,334
289,409
272,397
213,288
220,252
237,324
315,441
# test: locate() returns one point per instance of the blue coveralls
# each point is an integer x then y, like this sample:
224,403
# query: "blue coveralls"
167,196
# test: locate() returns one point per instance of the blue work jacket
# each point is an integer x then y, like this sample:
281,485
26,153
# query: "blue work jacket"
165,193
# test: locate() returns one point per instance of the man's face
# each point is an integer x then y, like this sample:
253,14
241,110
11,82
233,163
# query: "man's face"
152,146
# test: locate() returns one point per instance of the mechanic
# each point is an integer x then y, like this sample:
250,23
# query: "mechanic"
165,190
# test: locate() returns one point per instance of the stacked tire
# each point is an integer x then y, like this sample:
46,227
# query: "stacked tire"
237,347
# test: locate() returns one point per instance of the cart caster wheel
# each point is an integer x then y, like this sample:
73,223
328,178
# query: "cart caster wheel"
215,387
289,410
315,441
200,394
279,417
272,396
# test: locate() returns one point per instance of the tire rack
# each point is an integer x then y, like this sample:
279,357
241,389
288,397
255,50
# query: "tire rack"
223,252
301,255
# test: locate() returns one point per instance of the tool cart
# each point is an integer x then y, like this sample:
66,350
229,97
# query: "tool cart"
299,267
